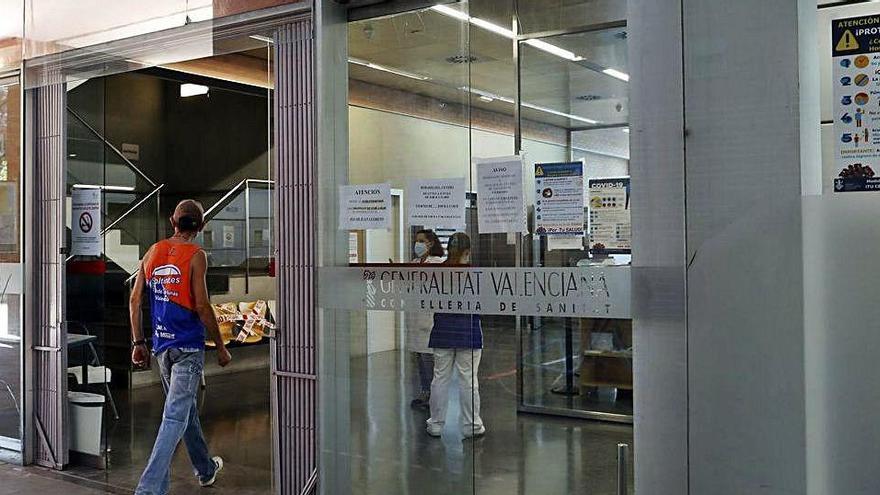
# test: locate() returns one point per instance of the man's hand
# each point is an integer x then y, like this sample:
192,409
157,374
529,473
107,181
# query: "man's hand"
223,356
139,356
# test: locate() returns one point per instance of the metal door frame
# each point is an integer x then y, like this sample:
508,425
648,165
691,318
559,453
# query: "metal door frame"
42,72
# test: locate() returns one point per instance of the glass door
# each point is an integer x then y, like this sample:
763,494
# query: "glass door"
11,259
579,366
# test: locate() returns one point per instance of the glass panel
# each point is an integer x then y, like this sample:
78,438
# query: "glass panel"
54,26
197,130
10,262
409,118
10,33
538,16
580,367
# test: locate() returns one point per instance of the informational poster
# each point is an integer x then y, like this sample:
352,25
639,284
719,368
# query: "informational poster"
500,203
366,206
610,220
559,199
855,43
85,229
436,203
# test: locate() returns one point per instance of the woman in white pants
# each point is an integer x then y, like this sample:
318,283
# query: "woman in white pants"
428,249
457,342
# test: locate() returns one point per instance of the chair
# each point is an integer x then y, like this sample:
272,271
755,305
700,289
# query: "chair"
97,373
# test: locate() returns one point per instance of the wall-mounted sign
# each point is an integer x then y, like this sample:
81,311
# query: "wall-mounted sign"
85,229
228,236
500,203
601,292
610,220
131,151
559,199
366,206
856,102
436,203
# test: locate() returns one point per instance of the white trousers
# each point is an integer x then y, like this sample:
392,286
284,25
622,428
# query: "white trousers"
465,363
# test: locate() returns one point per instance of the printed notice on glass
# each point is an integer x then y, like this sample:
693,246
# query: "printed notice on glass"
856,83
365,207
610,220
85,231
559,199
500,204
436,203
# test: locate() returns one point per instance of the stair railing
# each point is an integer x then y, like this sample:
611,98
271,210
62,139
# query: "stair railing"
213,210
133,167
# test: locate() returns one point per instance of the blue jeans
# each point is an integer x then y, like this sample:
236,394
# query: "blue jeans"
181,376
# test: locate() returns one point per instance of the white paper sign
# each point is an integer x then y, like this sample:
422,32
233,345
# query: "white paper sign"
366,206
228,236
559,199
85,231
500,203
436,203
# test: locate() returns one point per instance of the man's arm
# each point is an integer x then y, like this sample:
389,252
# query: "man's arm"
203,306
139,351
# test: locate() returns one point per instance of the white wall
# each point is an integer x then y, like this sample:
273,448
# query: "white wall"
841,314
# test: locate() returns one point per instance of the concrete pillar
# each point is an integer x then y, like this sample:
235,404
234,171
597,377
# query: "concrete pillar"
719,146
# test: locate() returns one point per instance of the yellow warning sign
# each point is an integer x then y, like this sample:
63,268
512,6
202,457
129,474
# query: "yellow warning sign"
539,172
847,42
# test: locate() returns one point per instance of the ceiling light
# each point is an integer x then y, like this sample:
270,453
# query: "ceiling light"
104,188
561,114
555,50
449,11
487,99
507,33
260,37
71,155
392,70
623,76
485,94
188,89
495,28
492,96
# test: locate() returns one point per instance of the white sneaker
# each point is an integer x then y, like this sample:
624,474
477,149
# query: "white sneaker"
474,432
218,462
434,429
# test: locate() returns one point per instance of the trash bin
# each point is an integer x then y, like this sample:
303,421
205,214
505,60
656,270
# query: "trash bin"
86,415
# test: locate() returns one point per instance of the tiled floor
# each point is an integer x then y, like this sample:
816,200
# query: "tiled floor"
16,480
384,449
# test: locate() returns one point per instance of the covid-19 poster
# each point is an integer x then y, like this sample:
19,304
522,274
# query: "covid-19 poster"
855,47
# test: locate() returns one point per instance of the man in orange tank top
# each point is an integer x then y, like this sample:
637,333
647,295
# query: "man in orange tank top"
173,274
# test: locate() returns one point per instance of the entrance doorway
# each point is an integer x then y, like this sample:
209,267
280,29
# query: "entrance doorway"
136,144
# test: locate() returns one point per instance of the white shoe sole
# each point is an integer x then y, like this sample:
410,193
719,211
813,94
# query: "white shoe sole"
474,434
218,461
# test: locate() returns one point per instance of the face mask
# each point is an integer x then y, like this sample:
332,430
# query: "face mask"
421,249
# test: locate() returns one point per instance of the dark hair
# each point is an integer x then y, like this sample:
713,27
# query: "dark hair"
188,223
436,245
458,244
189,216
